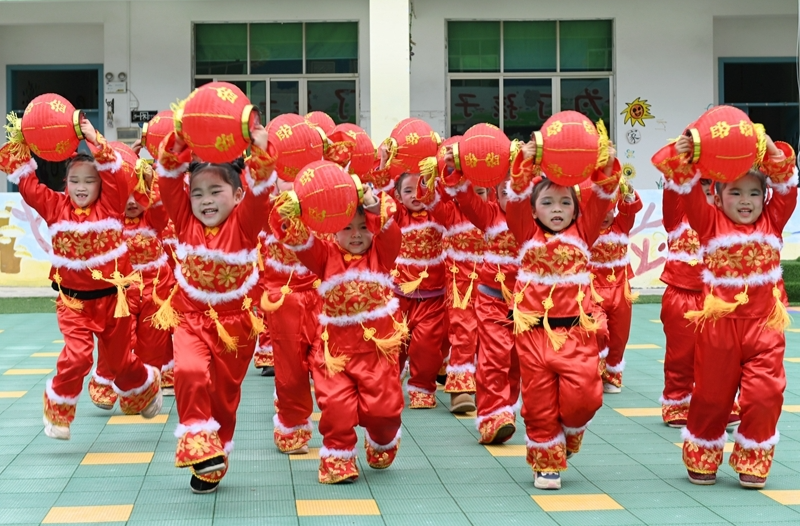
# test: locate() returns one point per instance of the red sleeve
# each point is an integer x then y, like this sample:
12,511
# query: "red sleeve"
701,216
387,235
627,214
171,169
479,212
599,202
117,185
671,209
253,210
519,216
48,203
313,255
783,181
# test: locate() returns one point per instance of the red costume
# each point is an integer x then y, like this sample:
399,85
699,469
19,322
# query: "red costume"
264,355
355,366
91,269
292,306
217,276
611,272
561,388
740,342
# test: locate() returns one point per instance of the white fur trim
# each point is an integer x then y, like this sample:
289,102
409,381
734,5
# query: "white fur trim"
408,262
580,278
85,227
168,367
429,207
169,241
228,447
413,227
684,257
684,188
455,190
575,430
467,257
465,368
171,174
615,263
747,443
361,276
753,280
672,403
23,171
497,229
343,321
612,237
242,257
265,349
53,397
144,231
209,425
100,380
733,240
602,194
513,196
604,353
385,447
92,262
111,166
678,232
289,430
215,298
505,409
783,188
616,368
496,259
460,229
324,452
261,187
153,265
560,439
414,389
718,443
299,248
142,388
296,268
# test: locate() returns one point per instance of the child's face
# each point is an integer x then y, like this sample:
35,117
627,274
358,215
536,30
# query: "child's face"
608,220
133,208
355,238
502,195
742,200
555,208
707,191
408,193
83,184
482,192
213,198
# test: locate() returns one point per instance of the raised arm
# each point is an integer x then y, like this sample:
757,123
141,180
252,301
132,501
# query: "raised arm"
386,231
781,170
117,183
21,170
173,161
261,177
627,212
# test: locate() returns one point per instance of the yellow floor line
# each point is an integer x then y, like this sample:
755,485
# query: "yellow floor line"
553,503
88,514
507,450
20,372
136,419
787,497
12,394
45,355
95,459
639,411
310,508
313,454
634,346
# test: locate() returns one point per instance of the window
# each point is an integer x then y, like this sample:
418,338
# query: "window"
284,67
765,89
517,74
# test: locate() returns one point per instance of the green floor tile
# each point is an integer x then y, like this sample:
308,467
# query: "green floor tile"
315,490
757,514
202,508
406,492
663,499
255,509
422,507
510,519
677,516
348,520
22,515
99,497
449,519
498,504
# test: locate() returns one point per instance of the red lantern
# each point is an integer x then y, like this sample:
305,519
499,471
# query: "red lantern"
411,141
325,197
216,121
294,143
443,151
483,155
569,147
726,143
153,132
129,160
321,120
352,148
51,127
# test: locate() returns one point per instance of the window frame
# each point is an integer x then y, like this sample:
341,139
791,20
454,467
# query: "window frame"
554,76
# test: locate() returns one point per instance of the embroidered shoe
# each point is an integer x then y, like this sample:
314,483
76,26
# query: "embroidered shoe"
333,470
752,481
200,486
547,480
420,400
677,423
207,466
702,479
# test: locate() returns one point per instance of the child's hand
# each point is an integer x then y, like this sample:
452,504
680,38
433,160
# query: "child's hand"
529,150
383,151
88,130
369,196
612,155
449,160
137,146
684,144
179,145
258,136
772,150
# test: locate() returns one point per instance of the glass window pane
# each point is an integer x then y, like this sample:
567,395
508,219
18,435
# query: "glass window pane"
78,86
760,82
332,47
780,121
473,46
588,96
284,97
256,91
337,98
202,82
586,45
473,101
220,49
527,103
276,48
529,46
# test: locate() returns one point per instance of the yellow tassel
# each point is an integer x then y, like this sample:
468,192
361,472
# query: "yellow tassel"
333,364
72,303
588,323
427,170
467,295
630,296
410,286
523,321
19,148
761,134
166,317
596,297
557,339
715,308
139,169
268,306
256,324
158,301
602,145
778,320
456,295
260,257
287,205
230,343
118,280
388,347
501,279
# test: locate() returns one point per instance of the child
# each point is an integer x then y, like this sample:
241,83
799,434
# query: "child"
90,269
497,376
264,357
144,218
355,365
292,306
557,348
611,272
419,278
217,225
743,345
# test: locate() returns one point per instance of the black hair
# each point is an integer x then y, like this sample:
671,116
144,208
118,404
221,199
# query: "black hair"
400,180
758,174
705,182
543,185
230,172
79,157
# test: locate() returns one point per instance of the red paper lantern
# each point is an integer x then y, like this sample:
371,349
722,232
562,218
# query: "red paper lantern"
411,141
483,155
215,122
153,132
450,141
294,143
321,120
326,196
51,127
352,148
569,147
726,143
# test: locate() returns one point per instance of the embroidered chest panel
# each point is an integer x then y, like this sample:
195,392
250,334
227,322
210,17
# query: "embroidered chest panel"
688,242
609,251
352,298
742,259
423,243
210,275
84,245
278,252
143,248
504,244
472,241
554,258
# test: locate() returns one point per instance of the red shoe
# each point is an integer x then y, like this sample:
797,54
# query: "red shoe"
733,421
380,459
420,400
334,470
677,423
702,479
752,481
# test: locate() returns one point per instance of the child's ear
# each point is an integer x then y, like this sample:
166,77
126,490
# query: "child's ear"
717,200
238,194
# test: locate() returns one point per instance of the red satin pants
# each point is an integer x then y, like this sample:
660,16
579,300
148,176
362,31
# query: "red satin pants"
498,371
426,325
618,313
681,337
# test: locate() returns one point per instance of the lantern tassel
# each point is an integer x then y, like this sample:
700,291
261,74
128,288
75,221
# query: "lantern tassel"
72,303
428,168
778,320
166,317
631,297
230,343
761,134
523,321
715,308
269,306
407,287
333,364
388,347
141,183
602,145
19,148
260,256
